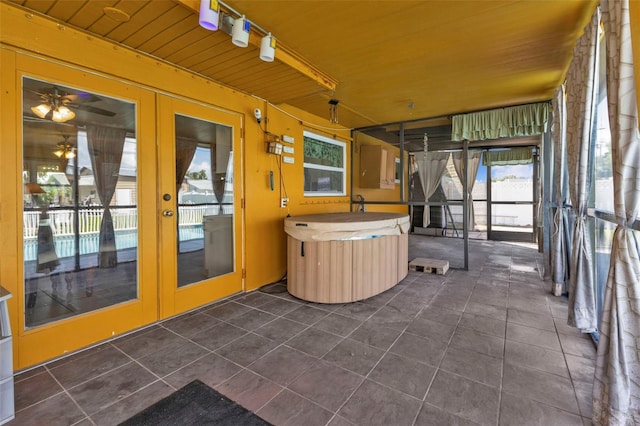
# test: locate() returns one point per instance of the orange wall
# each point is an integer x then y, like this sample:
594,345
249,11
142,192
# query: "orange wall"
264,259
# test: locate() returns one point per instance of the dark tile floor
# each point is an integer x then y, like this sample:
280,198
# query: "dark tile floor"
488,346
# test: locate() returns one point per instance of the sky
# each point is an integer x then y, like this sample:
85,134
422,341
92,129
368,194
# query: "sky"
521,171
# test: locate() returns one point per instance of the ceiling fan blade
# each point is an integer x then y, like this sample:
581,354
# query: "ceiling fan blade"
82,97
91,109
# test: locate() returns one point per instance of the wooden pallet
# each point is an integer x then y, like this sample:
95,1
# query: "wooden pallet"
436,266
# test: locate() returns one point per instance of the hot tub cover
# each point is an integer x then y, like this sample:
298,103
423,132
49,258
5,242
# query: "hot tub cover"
345,226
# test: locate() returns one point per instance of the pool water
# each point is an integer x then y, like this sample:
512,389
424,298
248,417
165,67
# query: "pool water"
65,245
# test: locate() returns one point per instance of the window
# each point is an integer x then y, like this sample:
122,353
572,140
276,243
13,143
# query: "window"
602,191
324,166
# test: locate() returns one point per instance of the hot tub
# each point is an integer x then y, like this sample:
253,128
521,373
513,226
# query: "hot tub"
345,257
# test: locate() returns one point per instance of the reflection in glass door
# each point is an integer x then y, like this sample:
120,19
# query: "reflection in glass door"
204,180
80,220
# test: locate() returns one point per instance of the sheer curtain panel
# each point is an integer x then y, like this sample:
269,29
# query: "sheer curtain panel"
580,111
616,389
431,167
472,171
559,252
105,150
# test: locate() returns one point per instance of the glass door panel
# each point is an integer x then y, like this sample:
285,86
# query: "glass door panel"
80,221
200,222
205,199
512,202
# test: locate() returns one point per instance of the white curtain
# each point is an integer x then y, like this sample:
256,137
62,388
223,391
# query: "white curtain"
580,111
616,389
559,249
472,171
431,167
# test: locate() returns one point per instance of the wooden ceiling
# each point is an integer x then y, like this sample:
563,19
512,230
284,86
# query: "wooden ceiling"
390,61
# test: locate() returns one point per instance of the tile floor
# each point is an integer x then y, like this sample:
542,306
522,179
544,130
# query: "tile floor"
488,346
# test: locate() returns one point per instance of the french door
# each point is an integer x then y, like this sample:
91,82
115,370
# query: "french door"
129,208
199,211
85,162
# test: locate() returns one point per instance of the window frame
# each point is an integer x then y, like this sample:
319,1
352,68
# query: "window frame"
343,169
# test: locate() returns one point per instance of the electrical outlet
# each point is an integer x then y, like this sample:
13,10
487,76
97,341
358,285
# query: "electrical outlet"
284,202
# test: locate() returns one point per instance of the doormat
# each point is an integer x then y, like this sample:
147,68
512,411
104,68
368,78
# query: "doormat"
195,404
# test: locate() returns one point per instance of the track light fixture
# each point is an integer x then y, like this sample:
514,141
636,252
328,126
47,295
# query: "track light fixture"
216,15
240,32
268,48
209,14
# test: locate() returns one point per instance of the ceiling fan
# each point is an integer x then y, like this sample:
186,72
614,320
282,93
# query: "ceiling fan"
64,149
59,105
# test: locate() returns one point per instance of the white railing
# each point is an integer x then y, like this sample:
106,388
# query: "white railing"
192,215
89,220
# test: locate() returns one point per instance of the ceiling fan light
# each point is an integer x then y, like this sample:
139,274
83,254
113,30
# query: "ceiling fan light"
240,32
58,152
41,110
62,114
70,154
268,48
209,14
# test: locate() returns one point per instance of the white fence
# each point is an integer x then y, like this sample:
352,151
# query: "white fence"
89,219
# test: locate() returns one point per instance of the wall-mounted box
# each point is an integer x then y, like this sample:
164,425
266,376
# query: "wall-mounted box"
377,167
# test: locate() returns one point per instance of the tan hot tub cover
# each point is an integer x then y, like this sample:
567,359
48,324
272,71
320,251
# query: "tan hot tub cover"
345,226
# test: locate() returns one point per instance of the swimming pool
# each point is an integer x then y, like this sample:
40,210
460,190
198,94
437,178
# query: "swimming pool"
125,239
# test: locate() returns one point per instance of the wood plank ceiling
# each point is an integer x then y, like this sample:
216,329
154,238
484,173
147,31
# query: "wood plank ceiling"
392,60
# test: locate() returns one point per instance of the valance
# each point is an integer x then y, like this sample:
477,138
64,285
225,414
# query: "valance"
522,120
510,157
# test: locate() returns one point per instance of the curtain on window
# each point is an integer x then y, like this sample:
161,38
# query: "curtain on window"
509,157
474,163
616,389
580,111
431,167
559,252
522,120
105,150
185,150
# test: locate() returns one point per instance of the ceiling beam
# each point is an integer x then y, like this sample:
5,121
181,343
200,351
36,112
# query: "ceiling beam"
283,54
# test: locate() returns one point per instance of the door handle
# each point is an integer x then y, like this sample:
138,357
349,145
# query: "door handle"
167,213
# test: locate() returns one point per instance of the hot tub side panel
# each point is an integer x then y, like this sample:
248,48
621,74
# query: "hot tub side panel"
403,256
320,271
374,266
346,270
